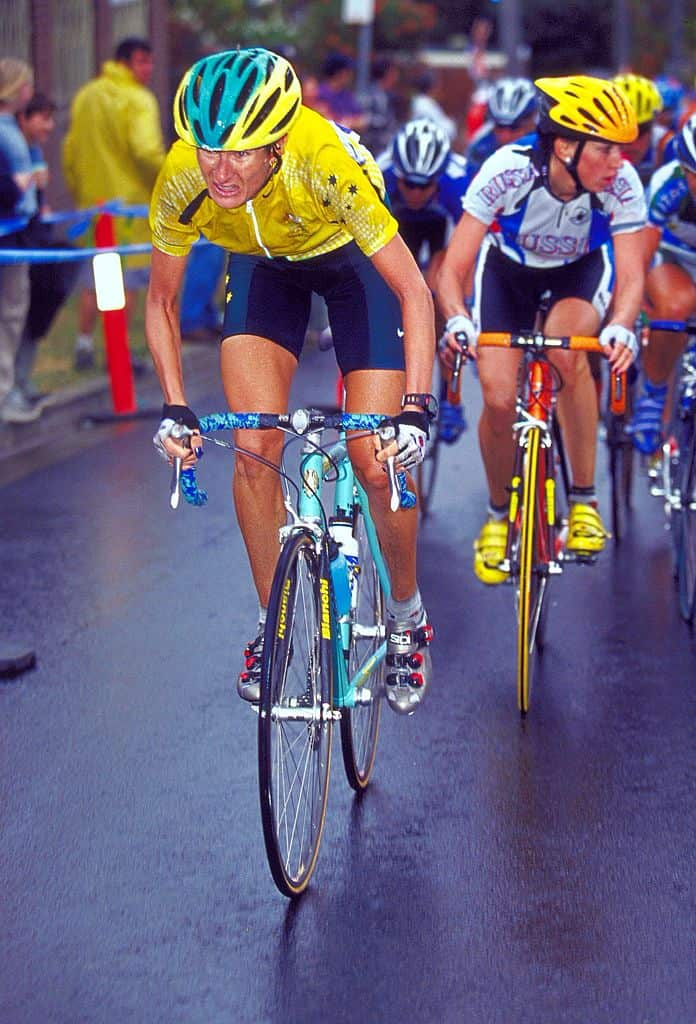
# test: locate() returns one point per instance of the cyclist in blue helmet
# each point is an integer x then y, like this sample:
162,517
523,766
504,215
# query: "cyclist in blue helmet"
512,114
426,182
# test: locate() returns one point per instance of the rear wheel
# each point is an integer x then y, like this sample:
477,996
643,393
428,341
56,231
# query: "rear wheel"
533,570
295,717
426,471
360,724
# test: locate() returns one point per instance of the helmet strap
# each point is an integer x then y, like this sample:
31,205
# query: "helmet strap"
571,164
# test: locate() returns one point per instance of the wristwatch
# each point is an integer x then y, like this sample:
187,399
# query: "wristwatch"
424,401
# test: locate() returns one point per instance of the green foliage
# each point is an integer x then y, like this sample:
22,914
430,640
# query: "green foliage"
308,30
577,35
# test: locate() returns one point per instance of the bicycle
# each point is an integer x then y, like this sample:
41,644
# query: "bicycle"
536,529
325,635
617,413
676,479
427,471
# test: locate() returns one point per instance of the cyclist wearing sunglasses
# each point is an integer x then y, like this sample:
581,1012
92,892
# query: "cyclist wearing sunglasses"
426,182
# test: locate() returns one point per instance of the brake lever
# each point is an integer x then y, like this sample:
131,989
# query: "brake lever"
386,435
183,435
174,489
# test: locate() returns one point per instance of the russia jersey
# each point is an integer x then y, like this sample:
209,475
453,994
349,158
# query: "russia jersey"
672,209
534,228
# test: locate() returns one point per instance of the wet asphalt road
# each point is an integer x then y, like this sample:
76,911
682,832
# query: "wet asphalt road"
496,871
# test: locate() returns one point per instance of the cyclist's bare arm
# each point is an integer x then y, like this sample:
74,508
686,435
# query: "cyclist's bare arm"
164,335
651,240
458,264
456,272
399,269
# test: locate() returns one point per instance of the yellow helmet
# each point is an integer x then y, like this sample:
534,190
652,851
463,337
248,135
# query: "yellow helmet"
582,107
239,99
643,95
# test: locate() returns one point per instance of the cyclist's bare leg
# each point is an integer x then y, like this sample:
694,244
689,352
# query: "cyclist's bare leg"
497,371
256,377
578,409
375,391
672,295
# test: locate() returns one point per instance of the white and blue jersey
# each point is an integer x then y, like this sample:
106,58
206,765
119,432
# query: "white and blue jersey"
532,227
672,209
426,231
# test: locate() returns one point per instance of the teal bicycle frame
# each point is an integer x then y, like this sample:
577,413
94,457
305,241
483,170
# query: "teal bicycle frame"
314,466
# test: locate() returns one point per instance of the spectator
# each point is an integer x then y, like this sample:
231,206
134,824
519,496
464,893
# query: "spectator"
18,194
50,283
336,93
479,37
380,107
114,150
424,104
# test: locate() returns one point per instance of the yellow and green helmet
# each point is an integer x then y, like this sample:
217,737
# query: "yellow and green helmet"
239,99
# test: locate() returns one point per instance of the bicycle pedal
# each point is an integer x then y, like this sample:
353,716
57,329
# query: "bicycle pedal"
580,557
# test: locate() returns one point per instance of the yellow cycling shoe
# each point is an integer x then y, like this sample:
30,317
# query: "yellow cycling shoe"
586,533
489,551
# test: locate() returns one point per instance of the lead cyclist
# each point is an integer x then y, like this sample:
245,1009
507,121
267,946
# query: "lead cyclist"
298,204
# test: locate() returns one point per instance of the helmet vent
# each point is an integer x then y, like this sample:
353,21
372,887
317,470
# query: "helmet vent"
262,114
247,89
216,101
286,119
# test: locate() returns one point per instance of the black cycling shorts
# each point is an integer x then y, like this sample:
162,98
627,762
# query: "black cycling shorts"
271,298
507,294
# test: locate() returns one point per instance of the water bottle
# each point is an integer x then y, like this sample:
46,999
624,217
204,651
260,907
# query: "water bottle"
341,530
339,579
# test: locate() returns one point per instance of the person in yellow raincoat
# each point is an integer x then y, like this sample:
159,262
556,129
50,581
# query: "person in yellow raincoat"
114,150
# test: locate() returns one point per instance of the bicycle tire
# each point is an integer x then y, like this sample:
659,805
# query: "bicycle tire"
426,472
686,556
295,714
360,724
532,581
621,485
621,460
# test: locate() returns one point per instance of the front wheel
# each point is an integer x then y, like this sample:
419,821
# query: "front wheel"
295,715
533,561
360,723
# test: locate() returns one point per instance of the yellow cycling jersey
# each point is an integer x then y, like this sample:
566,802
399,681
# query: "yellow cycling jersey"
329,191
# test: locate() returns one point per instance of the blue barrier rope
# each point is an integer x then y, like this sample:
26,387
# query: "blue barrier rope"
11,256
114,206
